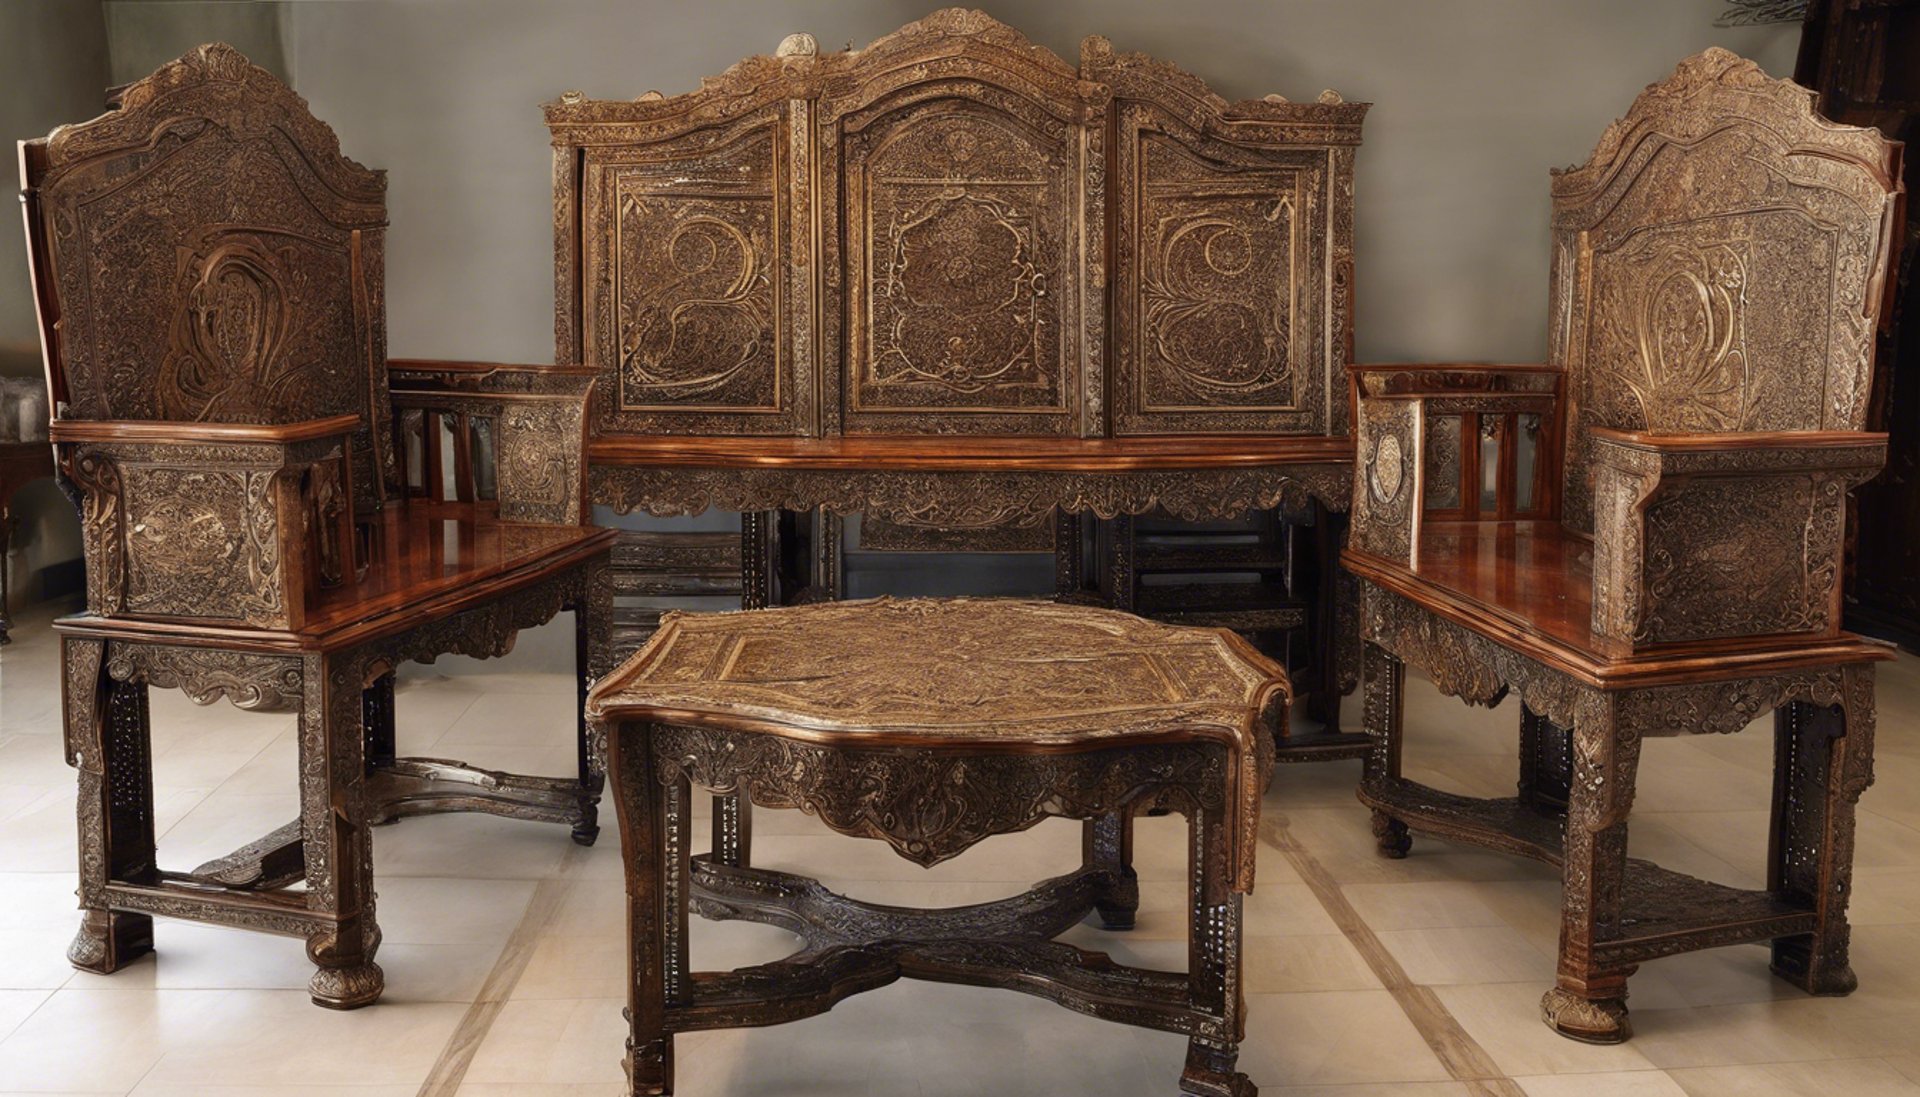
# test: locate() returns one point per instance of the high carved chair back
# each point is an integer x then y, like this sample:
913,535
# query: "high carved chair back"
1719,268
1719,265
206,254
208,272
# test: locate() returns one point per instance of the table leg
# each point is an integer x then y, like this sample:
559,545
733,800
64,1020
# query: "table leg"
1822,762
759,533
732,830
653,820
1213,961
1383,682
1107,843
1589,1002
108,739
336,839
592,657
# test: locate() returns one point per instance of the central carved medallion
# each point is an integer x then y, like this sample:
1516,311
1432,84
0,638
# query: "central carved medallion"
958,298
1388,469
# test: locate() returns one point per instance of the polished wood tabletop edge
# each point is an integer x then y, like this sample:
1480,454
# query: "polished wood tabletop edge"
1740,440
160,430
937,453
933,738
335,634
1672,665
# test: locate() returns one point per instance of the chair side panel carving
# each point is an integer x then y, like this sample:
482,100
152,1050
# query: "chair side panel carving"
1684,247
1387,490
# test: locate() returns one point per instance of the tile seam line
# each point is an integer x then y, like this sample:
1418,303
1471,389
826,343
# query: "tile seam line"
450,1067
1459,1053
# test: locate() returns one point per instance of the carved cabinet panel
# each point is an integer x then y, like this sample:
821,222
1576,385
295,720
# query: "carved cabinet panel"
956,212
955,232
1226,251
688,306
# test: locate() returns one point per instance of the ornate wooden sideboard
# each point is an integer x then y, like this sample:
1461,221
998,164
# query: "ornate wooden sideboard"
1667,559
953,282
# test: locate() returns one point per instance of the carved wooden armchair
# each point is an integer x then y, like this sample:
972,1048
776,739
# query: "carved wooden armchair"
264,516
1645,536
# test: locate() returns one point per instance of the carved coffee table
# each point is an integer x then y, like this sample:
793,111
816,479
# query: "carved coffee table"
931,724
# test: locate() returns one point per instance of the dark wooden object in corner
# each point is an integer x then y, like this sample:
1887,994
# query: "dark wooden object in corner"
1863,58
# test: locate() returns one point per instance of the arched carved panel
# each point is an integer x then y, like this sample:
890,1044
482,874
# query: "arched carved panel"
1684,246
957,200
214,258
687,302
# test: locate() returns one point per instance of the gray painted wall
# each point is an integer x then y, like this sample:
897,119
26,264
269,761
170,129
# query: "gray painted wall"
1474,101
53,68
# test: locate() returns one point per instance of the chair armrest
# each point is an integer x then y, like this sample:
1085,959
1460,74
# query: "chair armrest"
535,418
210,521
1389,477
1711,536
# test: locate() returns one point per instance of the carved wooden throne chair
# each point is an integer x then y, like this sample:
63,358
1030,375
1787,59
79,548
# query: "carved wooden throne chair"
1645,536
263,518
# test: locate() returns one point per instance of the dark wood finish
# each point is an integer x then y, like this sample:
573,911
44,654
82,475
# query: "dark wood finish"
1858,55
1097,715
265,511
21,463
1671,562
957,284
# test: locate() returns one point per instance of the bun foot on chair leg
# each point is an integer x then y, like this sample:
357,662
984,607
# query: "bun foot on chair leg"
1391,836
1588,1020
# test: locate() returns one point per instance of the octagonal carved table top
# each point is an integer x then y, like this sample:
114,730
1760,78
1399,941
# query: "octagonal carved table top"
974,675
976,672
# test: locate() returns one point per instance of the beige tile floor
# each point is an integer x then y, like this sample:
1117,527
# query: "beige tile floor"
1462,941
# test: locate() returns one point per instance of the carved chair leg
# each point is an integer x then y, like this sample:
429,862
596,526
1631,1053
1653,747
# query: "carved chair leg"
116,806
653,822
1545,761
1213,961
1383,680
1822,763
1107,843
592,621
333,831
1589,1002
376,708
